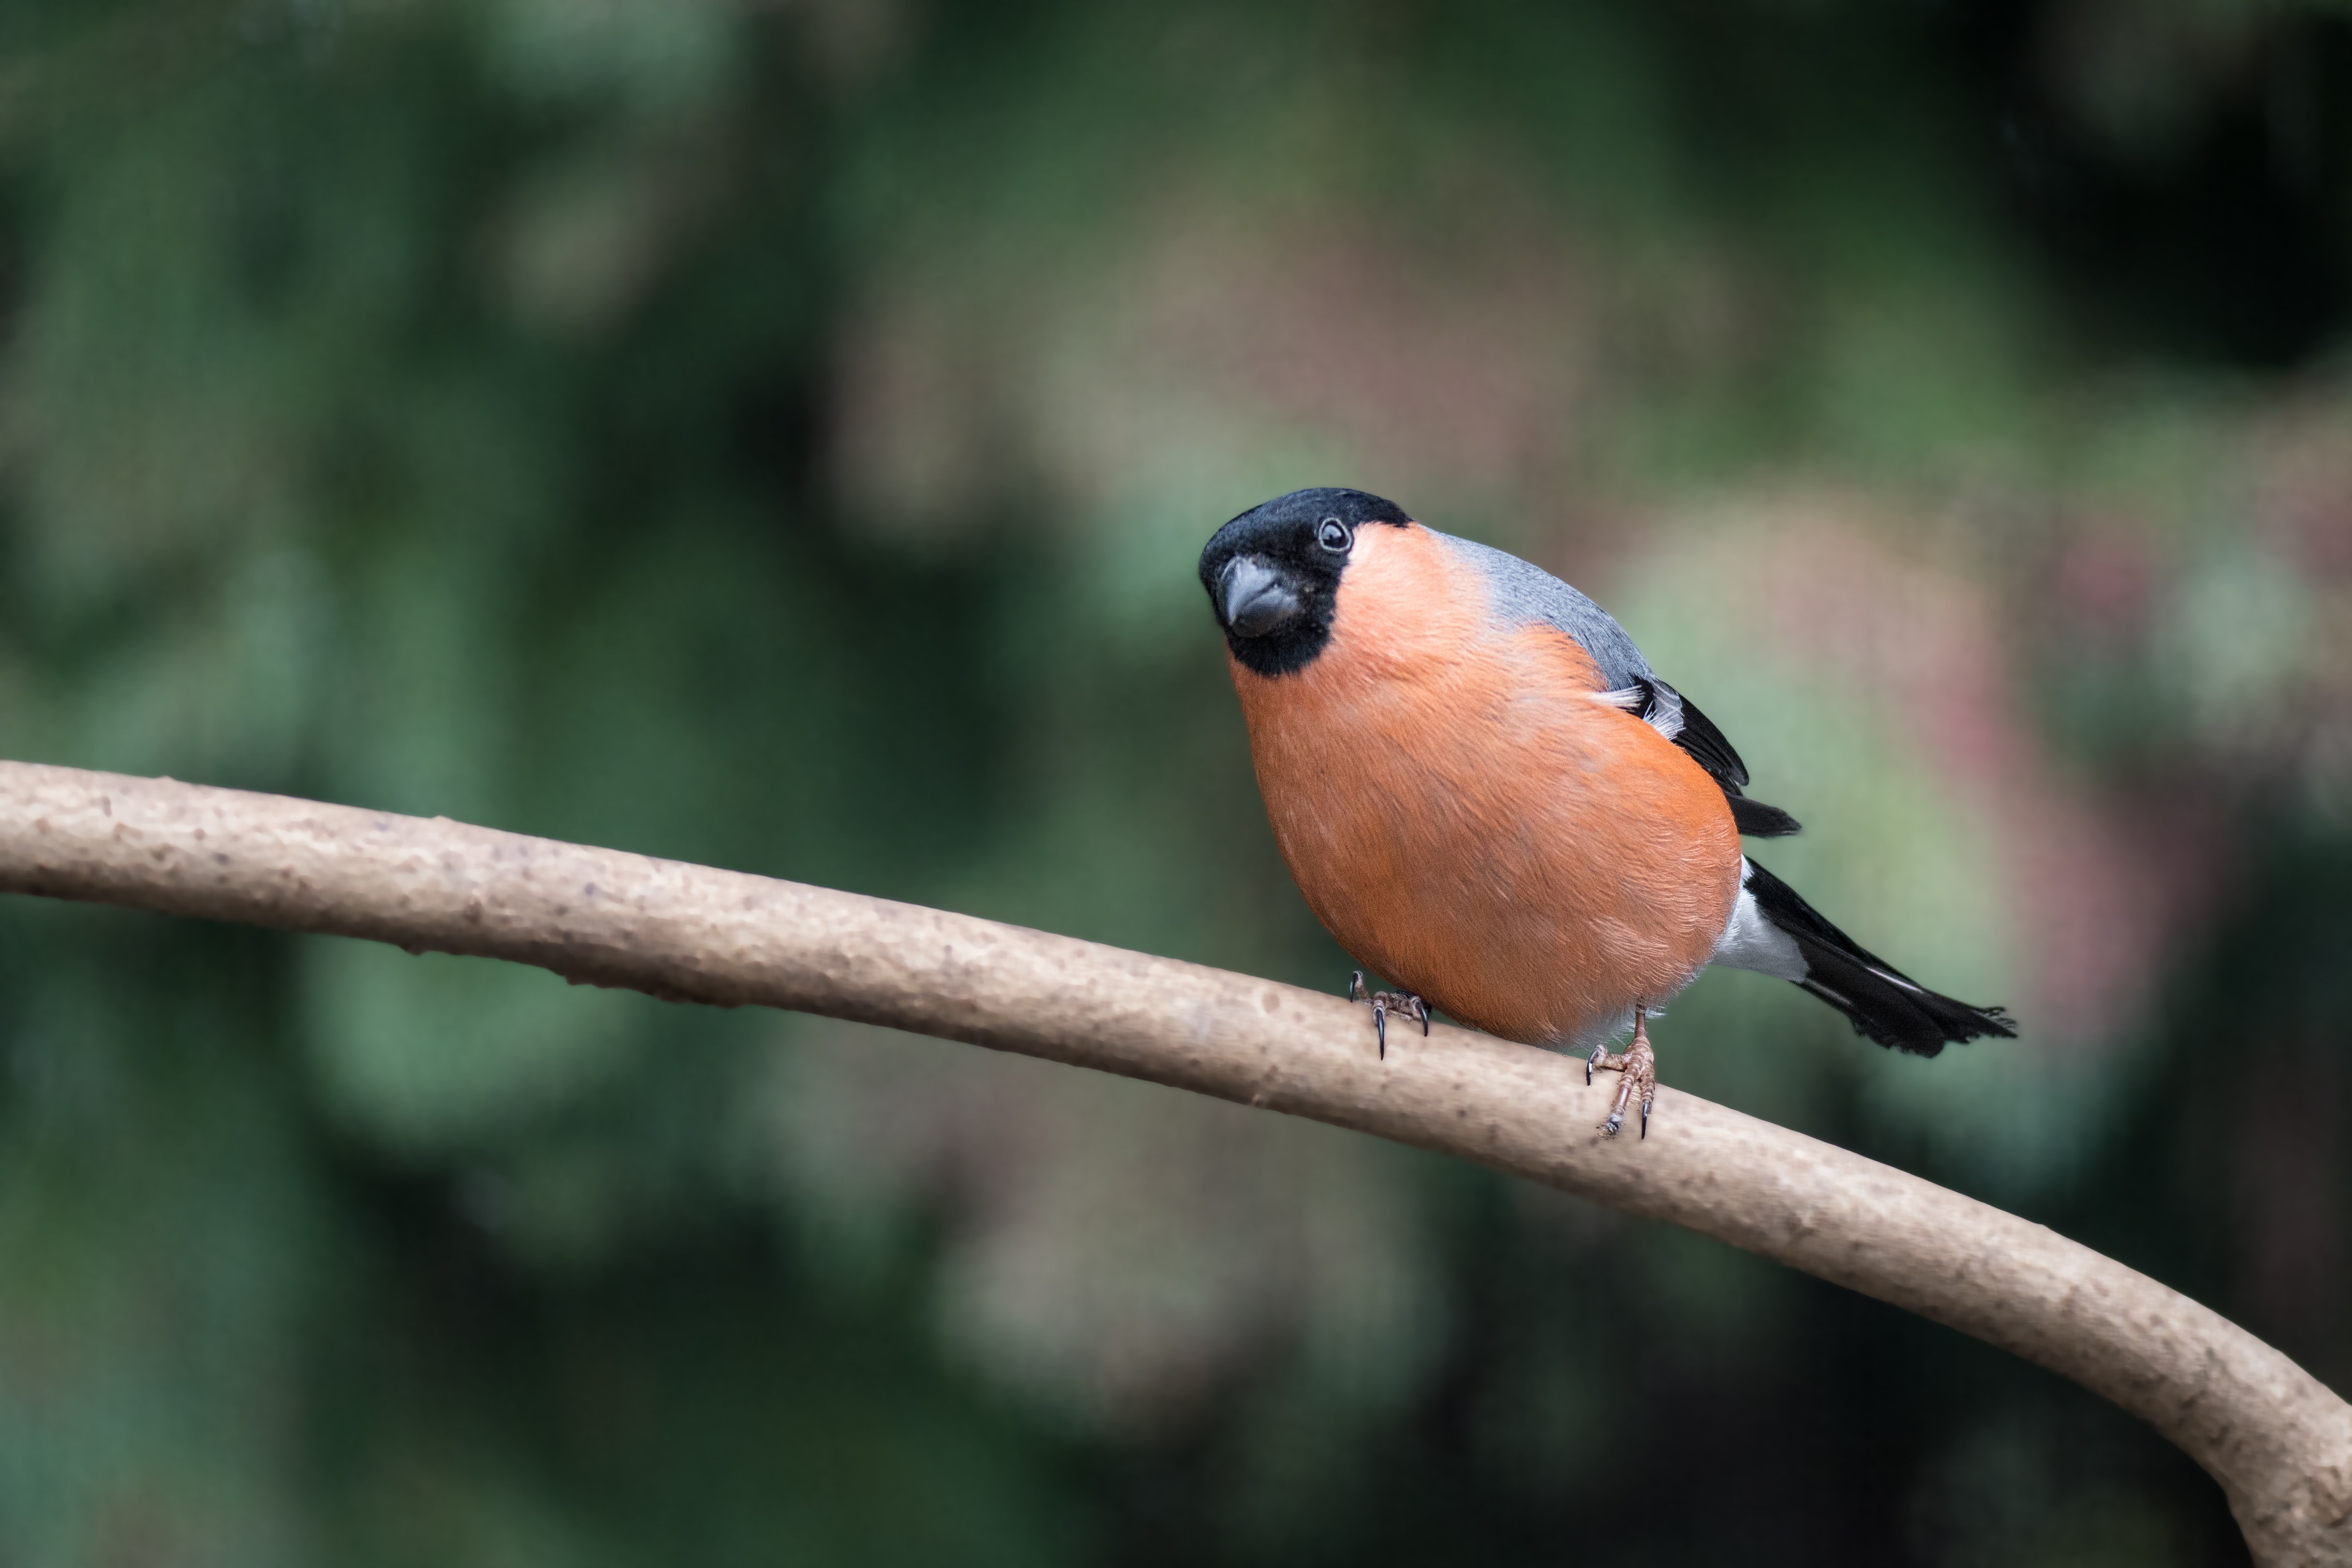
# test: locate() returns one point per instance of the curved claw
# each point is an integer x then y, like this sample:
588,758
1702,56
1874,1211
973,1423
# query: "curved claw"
1385,1002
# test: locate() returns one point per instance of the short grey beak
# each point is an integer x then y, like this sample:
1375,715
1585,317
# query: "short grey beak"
1254,596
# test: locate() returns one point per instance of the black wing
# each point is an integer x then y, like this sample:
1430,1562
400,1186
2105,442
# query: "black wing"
1677,718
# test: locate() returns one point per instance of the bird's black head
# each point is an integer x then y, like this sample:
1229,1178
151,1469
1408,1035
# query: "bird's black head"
1273,573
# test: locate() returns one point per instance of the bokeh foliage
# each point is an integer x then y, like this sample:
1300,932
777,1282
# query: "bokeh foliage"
778,435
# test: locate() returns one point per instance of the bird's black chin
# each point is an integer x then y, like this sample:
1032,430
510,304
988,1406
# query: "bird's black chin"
1256,600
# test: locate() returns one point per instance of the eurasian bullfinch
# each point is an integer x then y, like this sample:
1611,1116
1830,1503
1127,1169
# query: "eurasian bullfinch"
1489,797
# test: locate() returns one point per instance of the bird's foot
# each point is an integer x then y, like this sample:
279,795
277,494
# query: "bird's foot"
1383,1003
1639,1070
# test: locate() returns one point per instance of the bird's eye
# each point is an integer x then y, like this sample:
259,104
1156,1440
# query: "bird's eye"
1333,535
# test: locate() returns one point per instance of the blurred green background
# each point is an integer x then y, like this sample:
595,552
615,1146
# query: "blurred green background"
779,434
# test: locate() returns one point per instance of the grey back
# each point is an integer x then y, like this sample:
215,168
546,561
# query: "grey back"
1528,595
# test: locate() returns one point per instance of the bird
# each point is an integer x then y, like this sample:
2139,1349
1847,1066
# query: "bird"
1489,797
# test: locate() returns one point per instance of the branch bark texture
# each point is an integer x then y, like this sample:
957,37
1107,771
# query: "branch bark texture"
2278,1441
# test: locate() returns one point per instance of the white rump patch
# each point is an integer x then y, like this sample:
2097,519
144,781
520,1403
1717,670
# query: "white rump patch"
1751,942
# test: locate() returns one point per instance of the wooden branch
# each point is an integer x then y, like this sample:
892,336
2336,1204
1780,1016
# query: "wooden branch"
2278,1441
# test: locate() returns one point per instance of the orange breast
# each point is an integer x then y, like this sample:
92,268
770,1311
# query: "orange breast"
1469,823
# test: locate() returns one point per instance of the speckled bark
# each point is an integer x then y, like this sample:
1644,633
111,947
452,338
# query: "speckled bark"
2279,1442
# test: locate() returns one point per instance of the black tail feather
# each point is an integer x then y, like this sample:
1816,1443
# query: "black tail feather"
1880,1000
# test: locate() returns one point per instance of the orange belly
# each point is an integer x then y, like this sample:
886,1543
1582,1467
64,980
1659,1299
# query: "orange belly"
1469,823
